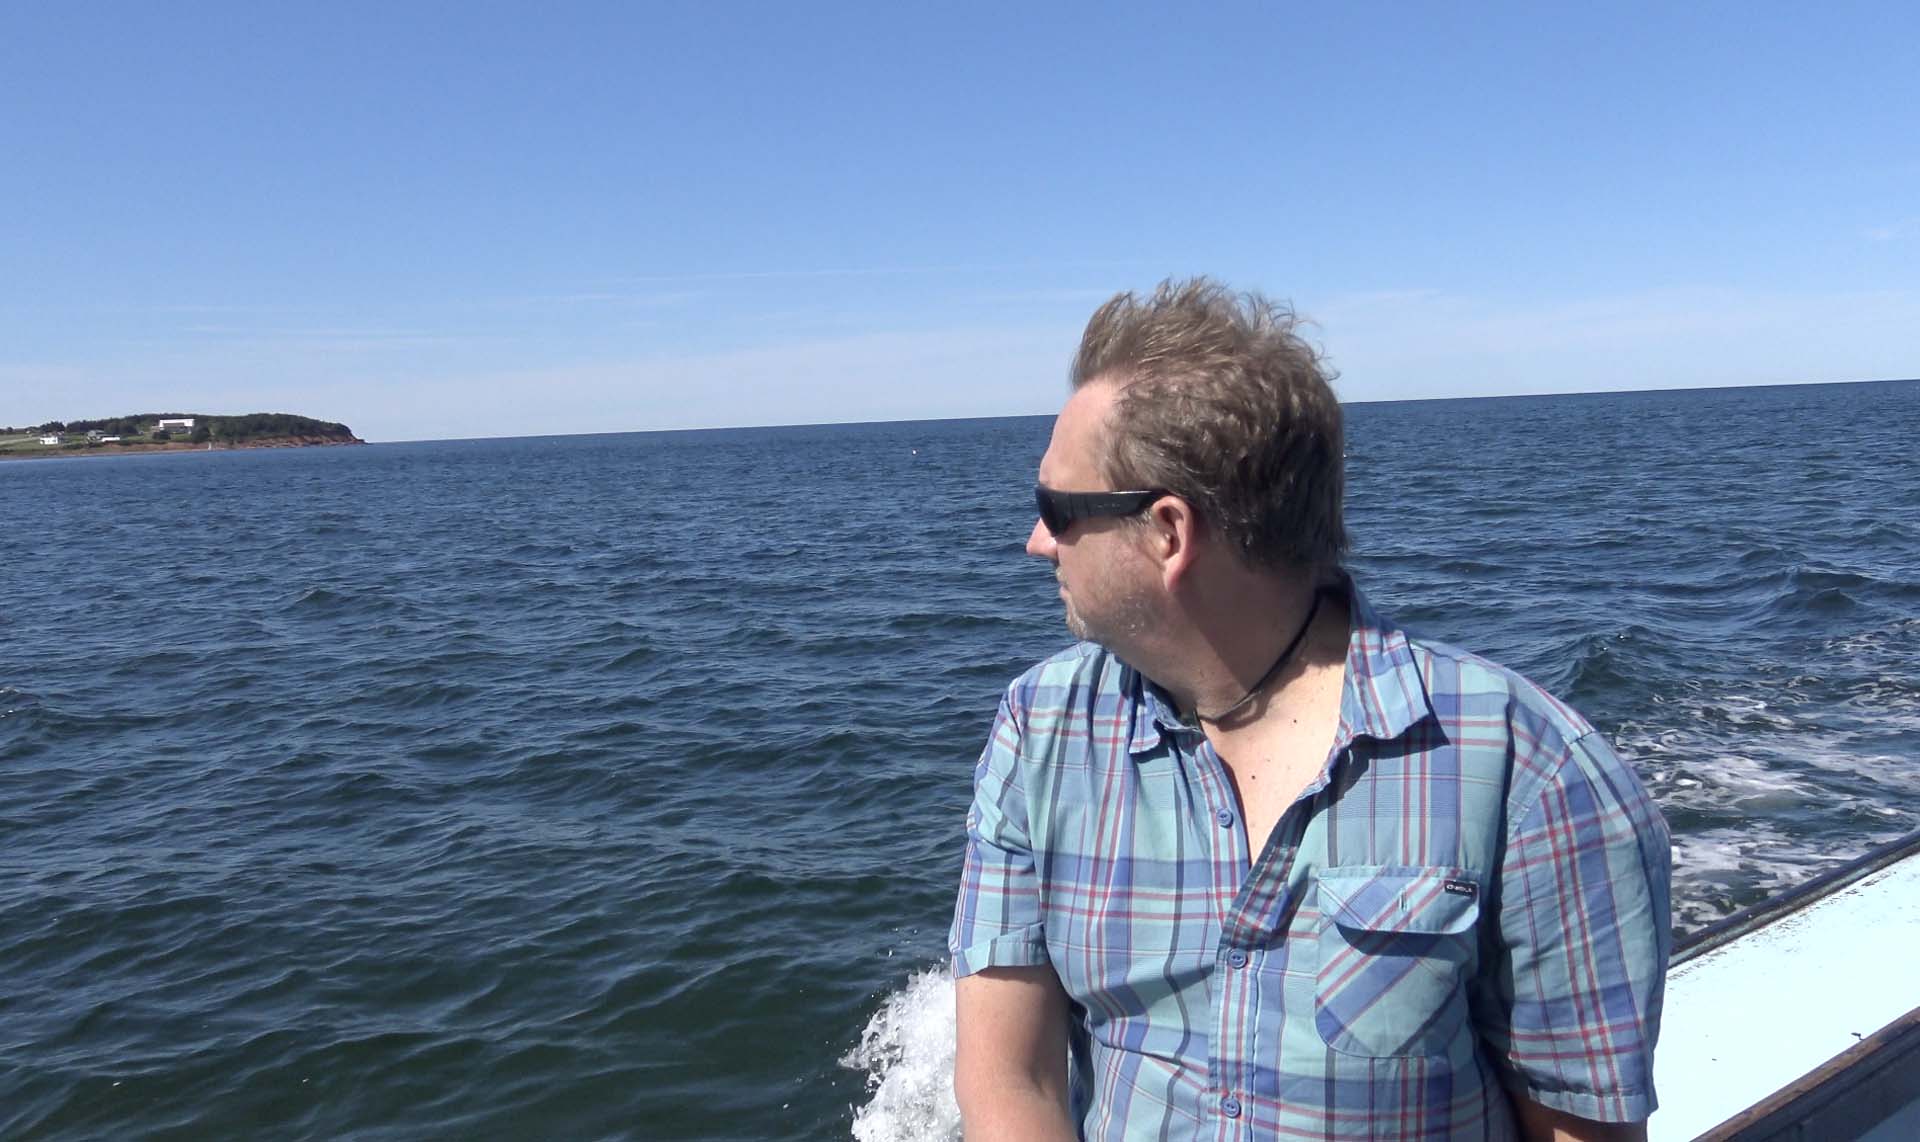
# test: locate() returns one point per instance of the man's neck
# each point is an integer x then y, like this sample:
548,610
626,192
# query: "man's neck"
1231,633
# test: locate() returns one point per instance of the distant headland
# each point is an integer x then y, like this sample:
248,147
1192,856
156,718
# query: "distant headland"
170,432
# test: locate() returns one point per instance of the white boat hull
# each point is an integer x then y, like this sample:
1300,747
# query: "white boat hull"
1800,1018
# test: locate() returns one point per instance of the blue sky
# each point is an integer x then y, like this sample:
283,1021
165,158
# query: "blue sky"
444,220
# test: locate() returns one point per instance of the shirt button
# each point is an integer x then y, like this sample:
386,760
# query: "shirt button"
1230,1106
1225,817
1237,958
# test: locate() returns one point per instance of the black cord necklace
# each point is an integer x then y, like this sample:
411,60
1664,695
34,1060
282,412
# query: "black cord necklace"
1299,636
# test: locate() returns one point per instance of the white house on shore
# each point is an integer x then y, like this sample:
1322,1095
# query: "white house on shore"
50,438
170,423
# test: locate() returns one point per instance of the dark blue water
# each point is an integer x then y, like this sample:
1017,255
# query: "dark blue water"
609,786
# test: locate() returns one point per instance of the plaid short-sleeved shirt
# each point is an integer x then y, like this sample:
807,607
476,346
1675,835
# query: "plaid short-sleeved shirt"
1470,898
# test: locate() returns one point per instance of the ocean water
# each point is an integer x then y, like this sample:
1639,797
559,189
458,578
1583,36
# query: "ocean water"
613,786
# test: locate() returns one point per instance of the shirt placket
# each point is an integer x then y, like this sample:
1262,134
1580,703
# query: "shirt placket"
1247,889
1234,1003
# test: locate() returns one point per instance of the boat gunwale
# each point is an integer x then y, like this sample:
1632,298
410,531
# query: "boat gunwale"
1823,1091
1774,908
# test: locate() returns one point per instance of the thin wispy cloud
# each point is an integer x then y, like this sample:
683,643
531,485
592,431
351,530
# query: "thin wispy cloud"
1430,343
189,307
1088,297
610,298
1388,345
361,336
606,297
887,271
883,376
1897,232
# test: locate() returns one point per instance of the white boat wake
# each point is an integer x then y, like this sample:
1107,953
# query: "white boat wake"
907,1052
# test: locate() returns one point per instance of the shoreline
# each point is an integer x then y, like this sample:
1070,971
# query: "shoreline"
61,453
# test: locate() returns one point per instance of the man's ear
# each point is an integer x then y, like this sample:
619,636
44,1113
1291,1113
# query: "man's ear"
1174,533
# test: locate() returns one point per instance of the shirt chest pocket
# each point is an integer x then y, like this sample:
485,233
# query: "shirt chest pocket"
1396,949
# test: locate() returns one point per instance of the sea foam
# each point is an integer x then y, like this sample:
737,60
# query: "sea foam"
907,1052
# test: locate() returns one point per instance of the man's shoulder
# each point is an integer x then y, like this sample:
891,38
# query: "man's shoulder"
1054,712
1463,684
1546,742
1075,672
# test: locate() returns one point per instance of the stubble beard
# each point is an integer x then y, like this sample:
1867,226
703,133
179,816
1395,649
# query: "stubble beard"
1117,629
1076,626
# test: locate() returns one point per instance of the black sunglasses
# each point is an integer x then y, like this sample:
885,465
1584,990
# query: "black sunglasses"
1061,510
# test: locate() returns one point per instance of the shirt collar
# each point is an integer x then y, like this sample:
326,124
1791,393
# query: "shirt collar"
1383,697
1152,712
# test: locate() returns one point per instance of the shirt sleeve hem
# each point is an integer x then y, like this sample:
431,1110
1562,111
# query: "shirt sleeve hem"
1621,1106
1022,949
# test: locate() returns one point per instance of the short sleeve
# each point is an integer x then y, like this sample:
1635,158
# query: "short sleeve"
996,921
1571,1002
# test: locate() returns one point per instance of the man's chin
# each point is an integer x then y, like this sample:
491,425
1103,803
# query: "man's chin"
1104,635
1081,631
1076,626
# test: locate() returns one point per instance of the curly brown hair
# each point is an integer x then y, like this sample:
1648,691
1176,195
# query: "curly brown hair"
1224,405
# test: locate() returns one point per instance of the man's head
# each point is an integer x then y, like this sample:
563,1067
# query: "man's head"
1104,581
1217,400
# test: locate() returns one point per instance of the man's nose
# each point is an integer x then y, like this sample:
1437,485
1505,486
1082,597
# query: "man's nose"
1040,543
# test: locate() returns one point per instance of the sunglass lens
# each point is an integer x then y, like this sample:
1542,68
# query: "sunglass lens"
1055,519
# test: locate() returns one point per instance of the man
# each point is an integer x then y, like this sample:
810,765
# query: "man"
1249,861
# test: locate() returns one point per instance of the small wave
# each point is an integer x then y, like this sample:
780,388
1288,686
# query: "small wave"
141,665
457,750
317,597
906,1051
771,555
917,622
418,695
1831,600
57,723
1815,579
638,656
1763,554
1468,568
1808,592
329,603
862,645
1882,532
1601,664
619,731
1866,644
1742,712
367,787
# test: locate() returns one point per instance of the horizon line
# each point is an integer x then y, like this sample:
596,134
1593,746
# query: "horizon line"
1025,415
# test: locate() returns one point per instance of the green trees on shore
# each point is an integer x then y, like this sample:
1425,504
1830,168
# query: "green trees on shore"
214,429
